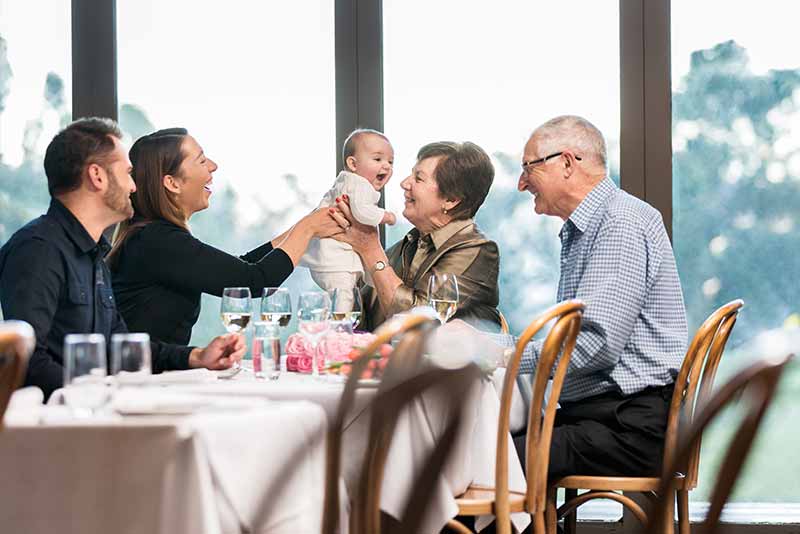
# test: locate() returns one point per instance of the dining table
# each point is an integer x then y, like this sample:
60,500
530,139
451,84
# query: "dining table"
247,455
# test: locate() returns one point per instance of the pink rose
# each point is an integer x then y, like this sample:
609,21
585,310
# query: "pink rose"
298,345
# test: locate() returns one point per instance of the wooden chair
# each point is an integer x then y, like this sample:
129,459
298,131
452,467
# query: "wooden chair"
400,390
759,380
498,500
17,341
384,334
692,387
504,329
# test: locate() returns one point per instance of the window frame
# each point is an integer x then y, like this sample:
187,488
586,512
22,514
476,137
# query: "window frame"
645,92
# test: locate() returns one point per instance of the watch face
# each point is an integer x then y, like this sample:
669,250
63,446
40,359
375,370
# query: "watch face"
379,266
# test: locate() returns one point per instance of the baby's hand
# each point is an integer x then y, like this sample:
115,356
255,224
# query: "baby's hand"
389,218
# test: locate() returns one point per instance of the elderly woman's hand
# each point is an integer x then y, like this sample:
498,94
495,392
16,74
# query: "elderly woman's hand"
361,237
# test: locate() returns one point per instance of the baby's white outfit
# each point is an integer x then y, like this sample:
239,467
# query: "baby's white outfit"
334,264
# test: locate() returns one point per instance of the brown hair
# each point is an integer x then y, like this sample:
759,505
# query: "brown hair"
77,146
349,147
463,173
153,156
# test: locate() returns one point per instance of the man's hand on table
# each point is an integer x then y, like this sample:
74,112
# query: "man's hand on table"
221,353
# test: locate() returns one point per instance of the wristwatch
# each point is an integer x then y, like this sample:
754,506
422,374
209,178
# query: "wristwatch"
379,266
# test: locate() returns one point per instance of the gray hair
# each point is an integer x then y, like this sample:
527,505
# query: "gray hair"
574,133
349,147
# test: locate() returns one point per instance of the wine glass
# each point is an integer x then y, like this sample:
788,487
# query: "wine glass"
85,371
276,306
313,316
130,357
236,310
346,305
443,295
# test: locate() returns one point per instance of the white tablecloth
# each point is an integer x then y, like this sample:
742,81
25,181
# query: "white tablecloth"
258,469
418,429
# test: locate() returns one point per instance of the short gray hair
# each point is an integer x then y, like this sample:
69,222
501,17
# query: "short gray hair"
574,133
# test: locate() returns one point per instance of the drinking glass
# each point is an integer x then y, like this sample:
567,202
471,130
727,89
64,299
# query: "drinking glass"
313,316
443,295
236,310
276,306
266,349
346,305
85,389
130,357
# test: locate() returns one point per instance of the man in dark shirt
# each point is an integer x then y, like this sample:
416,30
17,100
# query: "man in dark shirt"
52,272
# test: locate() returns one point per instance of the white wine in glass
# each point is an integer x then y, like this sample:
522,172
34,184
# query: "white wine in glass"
236,310
346,305
276,306
443,295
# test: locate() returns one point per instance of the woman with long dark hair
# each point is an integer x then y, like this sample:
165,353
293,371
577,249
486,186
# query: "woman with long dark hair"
159,269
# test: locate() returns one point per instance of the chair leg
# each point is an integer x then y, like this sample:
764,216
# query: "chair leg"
683,512
550,512
571,519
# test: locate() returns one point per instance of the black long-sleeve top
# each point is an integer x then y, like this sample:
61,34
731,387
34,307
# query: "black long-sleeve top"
53,276
162,270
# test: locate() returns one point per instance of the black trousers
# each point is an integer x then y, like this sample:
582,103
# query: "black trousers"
609,435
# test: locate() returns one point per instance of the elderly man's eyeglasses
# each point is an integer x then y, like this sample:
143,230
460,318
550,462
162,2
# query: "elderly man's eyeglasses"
528,166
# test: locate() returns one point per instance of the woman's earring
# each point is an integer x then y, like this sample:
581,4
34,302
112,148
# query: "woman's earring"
444,210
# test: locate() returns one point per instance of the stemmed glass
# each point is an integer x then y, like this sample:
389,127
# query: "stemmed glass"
276,308
85,371
346,305
443,295
313,316
235,310
130,357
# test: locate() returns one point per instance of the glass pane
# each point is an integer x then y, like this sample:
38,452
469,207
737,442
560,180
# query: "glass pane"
35,101
489,73
736,190
255,87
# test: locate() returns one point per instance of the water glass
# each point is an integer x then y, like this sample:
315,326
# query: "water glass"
85,389
346,305
313,316
130,357
266,349
443,295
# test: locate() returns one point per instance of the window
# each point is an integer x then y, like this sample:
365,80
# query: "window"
35,101
736,192
255,87
486,73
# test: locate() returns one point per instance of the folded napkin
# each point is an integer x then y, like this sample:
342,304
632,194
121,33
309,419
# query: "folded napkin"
189,376
25,407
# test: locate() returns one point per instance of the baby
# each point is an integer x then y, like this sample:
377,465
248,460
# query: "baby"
368,158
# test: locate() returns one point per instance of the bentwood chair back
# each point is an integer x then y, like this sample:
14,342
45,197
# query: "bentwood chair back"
692,387
401,386
759,380
553,362
388,331
17,341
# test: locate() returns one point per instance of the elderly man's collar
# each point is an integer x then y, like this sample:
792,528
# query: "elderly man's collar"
590,204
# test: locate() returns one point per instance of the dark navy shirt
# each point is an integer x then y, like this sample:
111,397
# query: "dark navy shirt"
53,276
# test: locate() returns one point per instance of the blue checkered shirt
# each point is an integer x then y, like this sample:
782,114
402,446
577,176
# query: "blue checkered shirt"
616,258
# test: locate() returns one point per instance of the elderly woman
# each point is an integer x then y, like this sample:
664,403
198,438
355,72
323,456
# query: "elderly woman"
446,188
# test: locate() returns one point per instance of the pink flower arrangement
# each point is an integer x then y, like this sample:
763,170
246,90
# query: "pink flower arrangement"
335,347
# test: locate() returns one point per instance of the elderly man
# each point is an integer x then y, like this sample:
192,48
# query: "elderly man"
52,272
617,258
